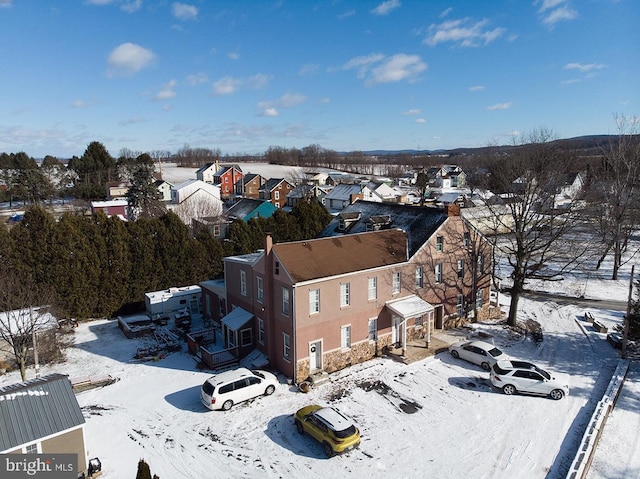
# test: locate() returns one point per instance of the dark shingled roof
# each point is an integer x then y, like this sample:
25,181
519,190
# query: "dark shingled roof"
326,257
37,408
420,223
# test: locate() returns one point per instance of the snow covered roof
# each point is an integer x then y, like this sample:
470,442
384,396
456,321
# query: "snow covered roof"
237,318
409,307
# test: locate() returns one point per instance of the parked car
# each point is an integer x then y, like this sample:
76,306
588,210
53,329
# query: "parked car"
483,354
329,427
224,390
521,376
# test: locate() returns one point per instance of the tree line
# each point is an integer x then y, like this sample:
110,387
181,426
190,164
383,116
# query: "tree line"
98,266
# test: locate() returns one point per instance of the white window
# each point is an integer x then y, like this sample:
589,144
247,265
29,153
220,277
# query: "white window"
286,352
373,288
243,283
480,265
285,301
460,305
439,243
419,320
31,449
373,329
261,331
345,300
460,268
396,283
466,239
479,298
419,277
246,337
438,272
260,286
314,301
276,195
345,335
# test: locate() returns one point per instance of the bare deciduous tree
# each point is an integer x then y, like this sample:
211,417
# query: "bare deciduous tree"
614,193
25,315
529,229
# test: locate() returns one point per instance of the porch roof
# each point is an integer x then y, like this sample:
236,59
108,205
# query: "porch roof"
237,318
409,307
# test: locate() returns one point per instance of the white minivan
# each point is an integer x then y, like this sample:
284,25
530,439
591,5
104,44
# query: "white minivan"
224,390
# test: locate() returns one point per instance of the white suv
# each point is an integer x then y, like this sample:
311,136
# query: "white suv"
520,376
231,387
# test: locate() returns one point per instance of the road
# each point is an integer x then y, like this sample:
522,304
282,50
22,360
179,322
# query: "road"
584,302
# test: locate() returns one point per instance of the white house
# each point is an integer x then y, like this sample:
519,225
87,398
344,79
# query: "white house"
207,172
185,190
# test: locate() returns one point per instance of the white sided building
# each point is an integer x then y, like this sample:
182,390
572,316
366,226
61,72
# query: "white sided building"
167,302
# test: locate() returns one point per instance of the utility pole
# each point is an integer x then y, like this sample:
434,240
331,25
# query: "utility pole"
35,343
625,334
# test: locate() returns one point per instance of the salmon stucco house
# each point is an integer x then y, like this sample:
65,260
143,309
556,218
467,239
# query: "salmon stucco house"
326,303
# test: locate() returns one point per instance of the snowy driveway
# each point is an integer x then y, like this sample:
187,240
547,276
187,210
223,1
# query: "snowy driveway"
436,418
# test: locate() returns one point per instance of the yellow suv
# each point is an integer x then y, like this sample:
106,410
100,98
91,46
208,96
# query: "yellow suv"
329,427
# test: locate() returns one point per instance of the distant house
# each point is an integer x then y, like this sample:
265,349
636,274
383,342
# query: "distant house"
380,192
447,176
117,189
207,172
305,192
571,185
245,209
226,178
343,195
250,186
42,416
189,188
336,178
319,179
452,198
164,189
276,190
117,207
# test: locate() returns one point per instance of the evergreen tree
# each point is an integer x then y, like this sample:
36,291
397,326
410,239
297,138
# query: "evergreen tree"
94,169
144,472
143,197
32,245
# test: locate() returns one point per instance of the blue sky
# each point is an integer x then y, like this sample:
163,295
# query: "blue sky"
241,76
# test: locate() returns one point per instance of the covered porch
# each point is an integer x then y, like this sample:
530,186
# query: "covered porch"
402,311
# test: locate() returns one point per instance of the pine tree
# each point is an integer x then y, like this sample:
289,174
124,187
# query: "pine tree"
144,472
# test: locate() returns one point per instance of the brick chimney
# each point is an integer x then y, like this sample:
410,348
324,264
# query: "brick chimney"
452,210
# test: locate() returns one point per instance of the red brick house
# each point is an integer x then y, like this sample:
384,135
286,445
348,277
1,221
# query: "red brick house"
227,177
250,186
276,190
327,303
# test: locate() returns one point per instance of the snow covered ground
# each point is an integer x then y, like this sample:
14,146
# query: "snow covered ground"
439,417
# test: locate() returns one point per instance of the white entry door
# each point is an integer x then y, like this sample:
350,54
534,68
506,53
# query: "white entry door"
395,330
315,355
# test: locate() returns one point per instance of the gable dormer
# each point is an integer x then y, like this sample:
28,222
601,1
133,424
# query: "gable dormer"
378,222
346,220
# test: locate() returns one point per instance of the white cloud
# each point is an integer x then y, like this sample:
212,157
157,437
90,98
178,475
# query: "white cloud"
6,3
554,11
499,106
414,111
477,88
464,32
446,12
346,14
233,55
129,6
79,103
259,81
131,121
420,120
572,81
129,58
183,11
226,86
167,91
197,79
397,68
584,67
386,7
288,100
377,68
308,69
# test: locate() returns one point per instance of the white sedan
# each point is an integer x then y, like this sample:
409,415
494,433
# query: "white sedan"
483,354
521,376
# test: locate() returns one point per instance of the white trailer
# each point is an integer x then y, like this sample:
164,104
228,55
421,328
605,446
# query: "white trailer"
166,303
